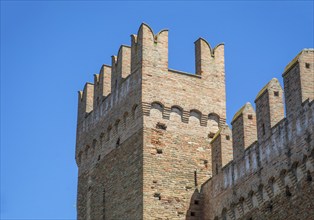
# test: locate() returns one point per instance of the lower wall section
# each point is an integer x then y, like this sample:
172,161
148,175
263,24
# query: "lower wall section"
298,203
288,195
114,187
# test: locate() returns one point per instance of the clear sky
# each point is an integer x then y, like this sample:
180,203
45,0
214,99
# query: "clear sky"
50,49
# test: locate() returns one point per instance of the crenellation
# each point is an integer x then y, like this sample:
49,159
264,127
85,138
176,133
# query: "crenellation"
86,101
280,160
153,142
121,67
269,109
243,130
299,81
221,149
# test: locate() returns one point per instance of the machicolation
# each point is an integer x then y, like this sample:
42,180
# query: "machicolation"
153,144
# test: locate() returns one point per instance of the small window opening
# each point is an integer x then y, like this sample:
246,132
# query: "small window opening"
263,127
159,151
307,65
250,116
211,135
196,202
154,181
192,213
276,93
118,142
98,157
227,137
206,163
157,196
161,126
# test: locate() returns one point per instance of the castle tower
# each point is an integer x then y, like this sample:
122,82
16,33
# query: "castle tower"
144,132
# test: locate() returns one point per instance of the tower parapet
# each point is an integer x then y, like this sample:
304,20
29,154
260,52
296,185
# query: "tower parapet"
136,123
150,138
140,73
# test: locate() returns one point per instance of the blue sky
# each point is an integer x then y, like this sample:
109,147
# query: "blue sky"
50,49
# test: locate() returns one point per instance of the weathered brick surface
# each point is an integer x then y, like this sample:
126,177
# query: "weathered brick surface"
176,161
272,179
152,143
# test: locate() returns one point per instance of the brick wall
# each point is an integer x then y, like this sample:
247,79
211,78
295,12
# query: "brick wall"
272,178
152,142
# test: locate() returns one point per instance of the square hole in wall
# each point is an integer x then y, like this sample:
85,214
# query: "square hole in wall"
307,65
192,213
211,135
161,126
196,202
250,116
157,196
276,93
159,151
227,137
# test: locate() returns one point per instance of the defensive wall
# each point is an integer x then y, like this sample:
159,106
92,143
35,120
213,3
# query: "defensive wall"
153,143
271,173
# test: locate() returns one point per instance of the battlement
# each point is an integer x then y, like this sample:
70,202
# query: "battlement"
150,138
140,72
267,147
148,53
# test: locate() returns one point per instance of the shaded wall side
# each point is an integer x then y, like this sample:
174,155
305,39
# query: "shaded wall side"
121,173
300,205
114,187
109,156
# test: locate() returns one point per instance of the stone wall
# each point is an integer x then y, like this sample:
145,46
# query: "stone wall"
139,110
153,143
271,178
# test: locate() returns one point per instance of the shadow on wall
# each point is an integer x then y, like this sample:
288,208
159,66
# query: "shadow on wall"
194,210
